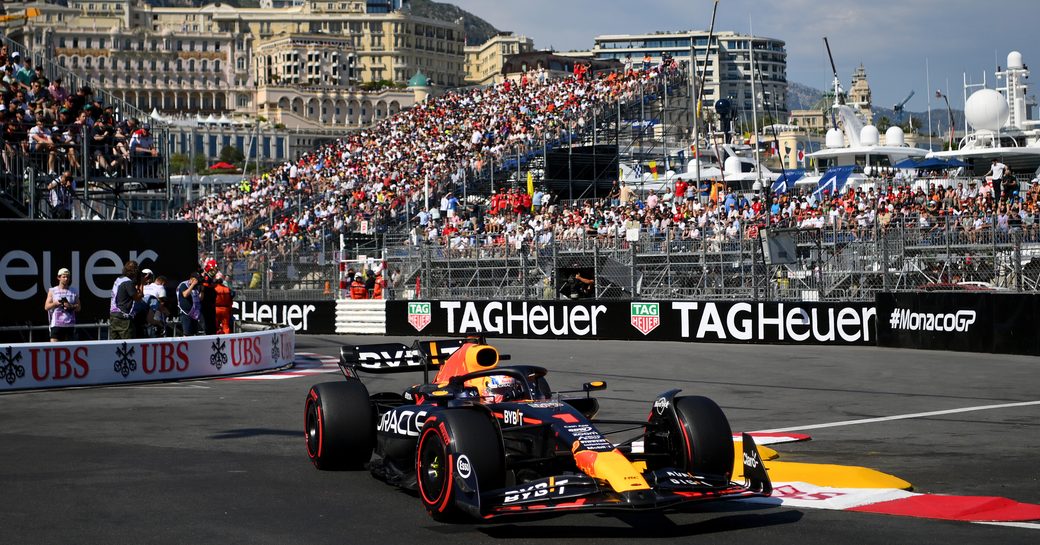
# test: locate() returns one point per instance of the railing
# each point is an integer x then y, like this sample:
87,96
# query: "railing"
834,263
106,172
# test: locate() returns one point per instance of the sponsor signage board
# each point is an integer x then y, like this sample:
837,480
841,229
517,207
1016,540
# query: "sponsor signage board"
94,251
26,366
1003,323
305,317
698,321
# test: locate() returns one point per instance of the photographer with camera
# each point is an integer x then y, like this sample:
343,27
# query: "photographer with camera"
189,301
126,291
61,305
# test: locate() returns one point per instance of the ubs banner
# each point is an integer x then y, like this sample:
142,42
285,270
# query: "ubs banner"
305,317
970,322
697,321
31,252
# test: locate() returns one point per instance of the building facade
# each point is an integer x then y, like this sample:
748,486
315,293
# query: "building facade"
222,59
484,62
725,64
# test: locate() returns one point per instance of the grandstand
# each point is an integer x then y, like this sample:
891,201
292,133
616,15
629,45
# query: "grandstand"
368,193
108,146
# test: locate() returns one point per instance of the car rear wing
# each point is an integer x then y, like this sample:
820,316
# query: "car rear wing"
401,358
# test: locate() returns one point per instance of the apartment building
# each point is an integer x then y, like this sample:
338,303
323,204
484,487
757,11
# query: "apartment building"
308,65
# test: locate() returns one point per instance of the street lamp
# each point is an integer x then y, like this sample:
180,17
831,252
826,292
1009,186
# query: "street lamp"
939,94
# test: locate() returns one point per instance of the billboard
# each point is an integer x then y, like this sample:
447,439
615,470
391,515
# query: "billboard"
32,252
692,321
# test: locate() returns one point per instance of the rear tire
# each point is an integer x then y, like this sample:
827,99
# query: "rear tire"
339,425
702,441
445,437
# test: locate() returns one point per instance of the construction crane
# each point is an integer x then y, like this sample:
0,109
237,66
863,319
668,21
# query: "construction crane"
839,97
27,14
898,108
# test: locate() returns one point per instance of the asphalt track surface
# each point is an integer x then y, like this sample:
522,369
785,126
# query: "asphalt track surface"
223,461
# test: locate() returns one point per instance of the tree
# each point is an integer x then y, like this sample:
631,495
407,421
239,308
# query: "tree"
884,123
231,155
199,163
918,123
179,163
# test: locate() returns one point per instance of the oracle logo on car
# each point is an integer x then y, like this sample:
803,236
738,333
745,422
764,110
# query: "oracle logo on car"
406,422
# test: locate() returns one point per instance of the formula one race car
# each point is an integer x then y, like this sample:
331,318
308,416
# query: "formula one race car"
483,440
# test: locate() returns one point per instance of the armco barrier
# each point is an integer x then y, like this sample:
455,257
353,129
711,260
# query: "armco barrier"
1002,323
692,321
364,316
28,366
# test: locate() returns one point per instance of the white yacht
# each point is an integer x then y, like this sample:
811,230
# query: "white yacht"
738,171
857,147
1001,126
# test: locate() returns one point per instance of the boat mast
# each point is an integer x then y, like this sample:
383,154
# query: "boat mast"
754,114
700,93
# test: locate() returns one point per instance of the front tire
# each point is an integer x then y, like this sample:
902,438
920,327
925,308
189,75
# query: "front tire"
445,437
339,425
701,441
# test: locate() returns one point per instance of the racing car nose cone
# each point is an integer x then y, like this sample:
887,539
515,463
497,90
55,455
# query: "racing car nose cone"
639,497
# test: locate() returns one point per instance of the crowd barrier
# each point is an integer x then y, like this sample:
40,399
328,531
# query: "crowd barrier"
30,366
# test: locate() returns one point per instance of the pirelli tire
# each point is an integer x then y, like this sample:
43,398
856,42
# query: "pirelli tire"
339,425
702,441
443,439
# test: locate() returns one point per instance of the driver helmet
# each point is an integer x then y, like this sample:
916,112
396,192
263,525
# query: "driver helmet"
499,388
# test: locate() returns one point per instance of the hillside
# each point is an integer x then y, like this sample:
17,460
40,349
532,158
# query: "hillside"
478,30
803,97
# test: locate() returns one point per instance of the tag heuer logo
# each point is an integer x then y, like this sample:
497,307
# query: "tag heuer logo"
419,315
646,316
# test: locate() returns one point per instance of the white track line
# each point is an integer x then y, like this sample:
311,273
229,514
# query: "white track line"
1026,525
900,417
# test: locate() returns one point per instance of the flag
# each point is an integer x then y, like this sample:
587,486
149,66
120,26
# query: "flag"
833,181
530,183
783,183
653,168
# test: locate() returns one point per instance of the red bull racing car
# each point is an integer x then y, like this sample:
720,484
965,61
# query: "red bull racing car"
482,440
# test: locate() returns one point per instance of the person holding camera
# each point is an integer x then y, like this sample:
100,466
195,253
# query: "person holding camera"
61,305
189,301
126,291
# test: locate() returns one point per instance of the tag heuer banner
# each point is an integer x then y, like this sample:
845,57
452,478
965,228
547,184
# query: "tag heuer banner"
419,315
700,321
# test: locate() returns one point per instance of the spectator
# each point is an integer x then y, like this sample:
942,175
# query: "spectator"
156,304
41,142
126,290
60,195
61,305
143,152
189,302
